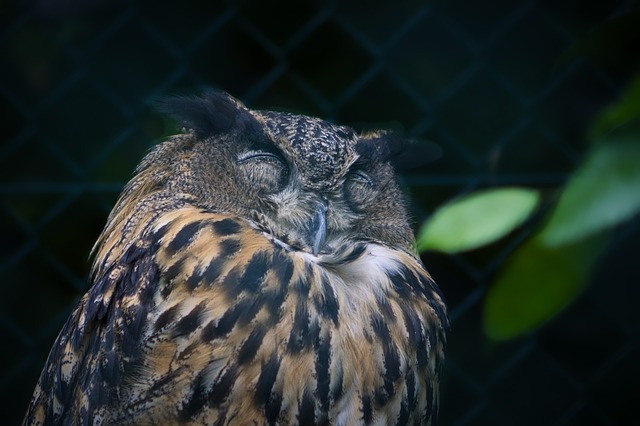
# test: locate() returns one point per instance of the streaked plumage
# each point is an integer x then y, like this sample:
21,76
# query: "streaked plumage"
258,269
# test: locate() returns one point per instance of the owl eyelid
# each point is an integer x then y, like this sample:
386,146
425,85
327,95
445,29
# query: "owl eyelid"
360,176
250,155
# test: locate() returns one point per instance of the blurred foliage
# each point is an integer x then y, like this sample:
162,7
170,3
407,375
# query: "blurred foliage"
549,270
602,192
535,283
477,219
623,112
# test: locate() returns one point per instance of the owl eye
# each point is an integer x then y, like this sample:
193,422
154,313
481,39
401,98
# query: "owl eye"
265,171
358,189
360,177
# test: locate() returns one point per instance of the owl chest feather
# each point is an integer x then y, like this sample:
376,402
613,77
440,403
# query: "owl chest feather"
206,320
259,331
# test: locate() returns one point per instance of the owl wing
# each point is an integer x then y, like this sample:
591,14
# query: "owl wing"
93,354
165,323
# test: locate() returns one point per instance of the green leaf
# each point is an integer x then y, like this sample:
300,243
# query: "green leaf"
536,283
625,110
604,191
477,219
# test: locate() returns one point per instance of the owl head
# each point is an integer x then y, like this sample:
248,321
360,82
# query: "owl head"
310,184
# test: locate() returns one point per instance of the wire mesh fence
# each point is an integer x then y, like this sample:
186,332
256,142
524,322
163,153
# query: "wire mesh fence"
491,83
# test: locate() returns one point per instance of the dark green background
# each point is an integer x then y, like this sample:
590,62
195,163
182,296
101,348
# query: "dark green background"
506,89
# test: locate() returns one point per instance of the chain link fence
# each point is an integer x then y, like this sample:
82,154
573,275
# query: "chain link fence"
490,82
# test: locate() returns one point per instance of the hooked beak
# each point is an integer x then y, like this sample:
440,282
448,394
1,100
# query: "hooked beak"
317,230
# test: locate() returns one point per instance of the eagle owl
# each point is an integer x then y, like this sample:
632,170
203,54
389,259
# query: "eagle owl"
258,269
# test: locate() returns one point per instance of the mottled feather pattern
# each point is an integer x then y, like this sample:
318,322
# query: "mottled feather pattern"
229,299
200,316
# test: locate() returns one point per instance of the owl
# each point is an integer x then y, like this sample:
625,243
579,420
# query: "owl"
259,268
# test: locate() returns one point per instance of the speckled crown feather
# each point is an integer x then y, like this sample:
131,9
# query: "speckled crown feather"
321,148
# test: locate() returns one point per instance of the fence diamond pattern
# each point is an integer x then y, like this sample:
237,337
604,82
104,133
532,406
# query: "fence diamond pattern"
489,82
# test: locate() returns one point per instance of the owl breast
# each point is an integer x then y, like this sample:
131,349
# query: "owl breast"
243,328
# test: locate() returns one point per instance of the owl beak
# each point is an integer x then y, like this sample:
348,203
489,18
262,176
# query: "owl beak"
318,228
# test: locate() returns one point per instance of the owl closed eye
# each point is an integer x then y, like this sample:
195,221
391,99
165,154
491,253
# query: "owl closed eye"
267,171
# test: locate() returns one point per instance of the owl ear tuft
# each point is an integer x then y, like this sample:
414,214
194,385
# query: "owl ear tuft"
403,153
214,113
381,145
